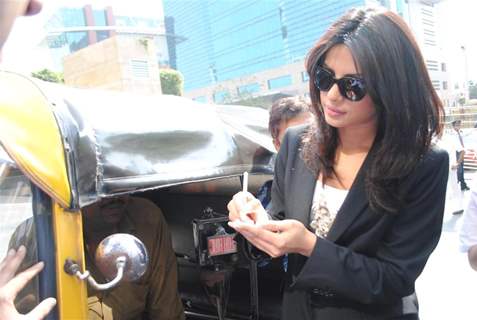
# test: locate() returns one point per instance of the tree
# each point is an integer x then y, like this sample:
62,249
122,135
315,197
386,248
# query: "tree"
472,90
172,82
48,75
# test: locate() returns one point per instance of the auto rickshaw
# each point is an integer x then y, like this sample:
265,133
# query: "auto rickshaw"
64,148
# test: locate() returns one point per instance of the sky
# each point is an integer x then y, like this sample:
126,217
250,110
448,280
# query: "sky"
457,24
458,28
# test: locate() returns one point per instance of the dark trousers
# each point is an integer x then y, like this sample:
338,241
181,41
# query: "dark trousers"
460,171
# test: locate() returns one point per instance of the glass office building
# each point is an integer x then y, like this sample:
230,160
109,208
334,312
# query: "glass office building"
250,48
230,39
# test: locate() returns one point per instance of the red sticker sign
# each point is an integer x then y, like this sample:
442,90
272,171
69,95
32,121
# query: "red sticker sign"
221,244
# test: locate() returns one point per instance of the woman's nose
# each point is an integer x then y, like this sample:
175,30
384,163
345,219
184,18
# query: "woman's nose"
334,93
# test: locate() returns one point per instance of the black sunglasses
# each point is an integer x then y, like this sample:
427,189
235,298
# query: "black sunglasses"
352,88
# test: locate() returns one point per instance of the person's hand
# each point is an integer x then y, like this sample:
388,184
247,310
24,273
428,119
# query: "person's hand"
246,208
278,237
10,285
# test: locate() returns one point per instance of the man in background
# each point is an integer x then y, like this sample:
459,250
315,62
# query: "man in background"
155,294
284,113
460,152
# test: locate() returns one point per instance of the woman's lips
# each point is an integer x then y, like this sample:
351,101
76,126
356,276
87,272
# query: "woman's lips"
333,112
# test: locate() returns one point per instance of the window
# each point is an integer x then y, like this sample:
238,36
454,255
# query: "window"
432,65
139,68
248,88
443,67
436,84
77,40
430,42
444,85
280,82
99,18
304,76
399,7
429,32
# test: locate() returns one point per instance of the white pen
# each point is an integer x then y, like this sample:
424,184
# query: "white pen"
245,181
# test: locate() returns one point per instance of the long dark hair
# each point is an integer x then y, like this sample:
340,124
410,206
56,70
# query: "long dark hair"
407,107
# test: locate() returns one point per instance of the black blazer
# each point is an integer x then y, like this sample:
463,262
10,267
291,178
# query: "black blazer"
367,265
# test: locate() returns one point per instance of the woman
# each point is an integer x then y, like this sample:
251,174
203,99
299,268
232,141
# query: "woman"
359,195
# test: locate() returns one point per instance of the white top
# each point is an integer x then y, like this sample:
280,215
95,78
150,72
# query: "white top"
454,195
459,143
468,231
327,202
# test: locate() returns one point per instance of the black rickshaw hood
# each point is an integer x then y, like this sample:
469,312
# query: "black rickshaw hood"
119,143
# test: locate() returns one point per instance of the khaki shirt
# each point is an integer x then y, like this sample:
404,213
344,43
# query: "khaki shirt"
154,295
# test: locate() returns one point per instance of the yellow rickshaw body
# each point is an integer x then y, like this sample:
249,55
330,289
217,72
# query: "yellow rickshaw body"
31,137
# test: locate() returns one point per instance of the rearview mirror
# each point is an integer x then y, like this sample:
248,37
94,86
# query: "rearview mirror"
119,257
122,245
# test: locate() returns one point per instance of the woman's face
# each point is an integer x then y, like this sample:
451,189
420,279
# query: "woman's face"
341,112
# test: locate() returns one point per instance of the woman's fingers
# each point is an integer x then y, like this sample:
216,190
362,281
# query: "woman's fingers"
276,226
41,310
246,208
254,212
268,241
10,264
20,280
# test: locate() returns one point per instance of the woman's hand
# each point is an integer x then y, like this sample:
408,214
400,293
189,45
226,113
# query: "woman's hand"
246,208
10,285
278,237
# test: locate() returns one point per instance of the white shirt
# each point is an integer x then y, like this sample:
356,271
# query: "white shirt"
327,202
458,144
454,195
468,231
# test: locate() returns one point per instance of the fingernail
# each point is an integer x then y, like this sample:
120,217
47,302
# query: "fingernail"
11,252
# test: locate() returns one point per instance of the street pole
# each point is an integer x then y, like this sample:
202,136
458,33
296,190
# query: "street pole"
466,70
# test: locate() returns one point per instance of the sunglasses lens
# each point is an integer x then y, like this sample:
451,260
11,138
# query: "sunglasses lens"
323,79
352,88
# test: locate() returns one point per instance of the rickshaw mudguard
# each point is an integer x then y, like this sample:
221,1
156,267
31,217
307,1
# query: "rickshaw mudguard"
31,136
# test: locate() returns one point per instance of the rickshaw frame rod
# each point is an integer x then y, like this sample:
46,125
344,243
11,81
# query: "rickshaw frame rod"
72,268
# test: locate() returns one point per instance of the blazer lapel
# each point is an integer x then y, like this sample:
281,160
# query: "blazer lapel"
353,205
301,196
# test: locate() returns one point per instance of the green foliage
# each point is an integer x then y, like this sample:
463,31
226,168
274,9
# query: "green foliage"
48,75
172,82
472,90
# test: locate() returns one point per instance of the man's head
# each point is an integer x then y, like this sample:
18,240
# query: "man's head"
10,10
287,112
456,124
105,214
